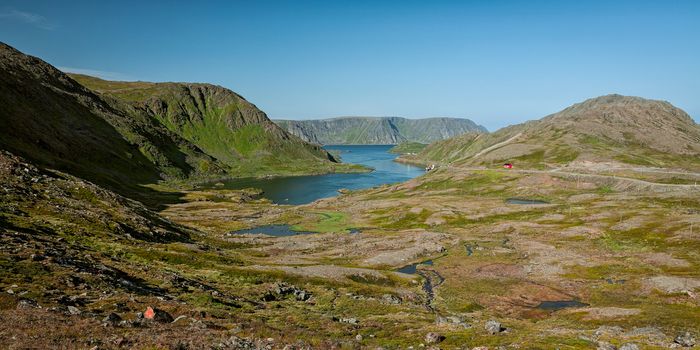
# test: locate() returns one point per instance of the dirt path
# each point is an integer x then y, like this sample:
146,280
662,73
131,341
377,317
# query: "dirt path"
498,145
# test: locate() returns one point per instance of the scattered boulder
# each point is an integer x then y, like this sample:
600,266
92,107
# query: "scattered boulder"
606,346
349,320
28,304
391,299
481,348
111,320
74,310
283,290
434,338
493,327
238,344
629,346
157,315
453,320
685,339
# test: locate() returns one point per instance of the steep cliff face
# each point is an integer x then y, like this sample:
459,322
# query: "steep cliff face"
378,130
611,128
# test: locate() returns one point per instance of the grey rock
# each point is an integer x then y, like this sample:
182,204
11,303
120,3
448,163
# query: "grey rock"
349,320
391,299
685,339
111,320
454,320
606,346
28,304
493,327
434,338
74,310
629,346
237,344
282,291
162,316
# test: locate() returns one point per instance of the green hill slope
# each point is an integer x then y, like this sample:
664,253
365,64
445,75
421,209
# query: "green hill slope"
141,133
221,123
54,121
615,129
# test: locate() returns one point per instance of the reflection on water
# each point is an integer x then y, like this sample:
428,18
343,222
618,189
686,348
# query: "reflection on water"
271,230
411,269
306,189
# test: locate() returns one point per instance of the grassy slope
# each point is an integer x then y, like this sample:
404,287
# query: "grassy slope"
612,128
408,147
223,124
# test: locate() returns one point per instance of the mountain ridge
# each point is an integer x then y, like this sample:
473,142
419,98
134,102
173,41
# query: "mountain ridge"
216,119
377,130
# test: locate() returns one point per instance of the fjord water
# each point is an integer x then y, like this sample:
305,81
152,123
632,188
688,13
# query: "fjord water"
306,189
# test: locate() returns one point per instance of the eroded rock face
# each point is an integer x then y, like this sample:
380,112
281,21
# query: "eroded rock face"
378,130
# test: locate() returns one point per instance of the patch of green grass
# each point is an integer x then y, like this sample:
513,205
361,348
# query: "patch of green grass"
405,220
407,147
605,189
329,221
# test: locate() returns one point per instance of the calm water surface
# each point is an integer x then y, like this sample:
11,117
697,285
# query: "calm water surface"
306,189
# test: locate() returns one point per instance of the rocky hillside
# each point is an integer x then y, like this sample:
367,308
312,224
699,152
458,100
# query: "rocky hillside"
220,122
141,132
54,121
613,128
378,130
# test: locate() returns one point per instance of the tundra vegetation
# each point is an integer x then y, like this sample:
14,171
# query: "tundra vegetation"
605,252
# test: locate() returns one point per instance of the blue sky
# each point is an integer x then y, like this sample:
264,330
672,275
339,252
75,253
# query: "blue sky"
496,62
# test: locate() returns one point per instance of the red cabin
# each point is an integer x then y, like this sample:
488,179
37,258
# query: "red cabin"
508,166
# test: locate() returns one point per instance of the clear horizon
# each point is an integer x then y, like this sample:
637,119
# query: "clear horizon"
497,63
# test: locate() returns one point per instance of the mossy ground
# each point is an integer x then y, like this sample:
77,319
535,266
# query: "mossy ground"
593,243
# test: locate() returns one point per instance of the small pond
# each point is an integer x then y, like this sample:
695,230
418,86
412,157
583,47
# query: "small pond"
272,230
411,269
560,304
